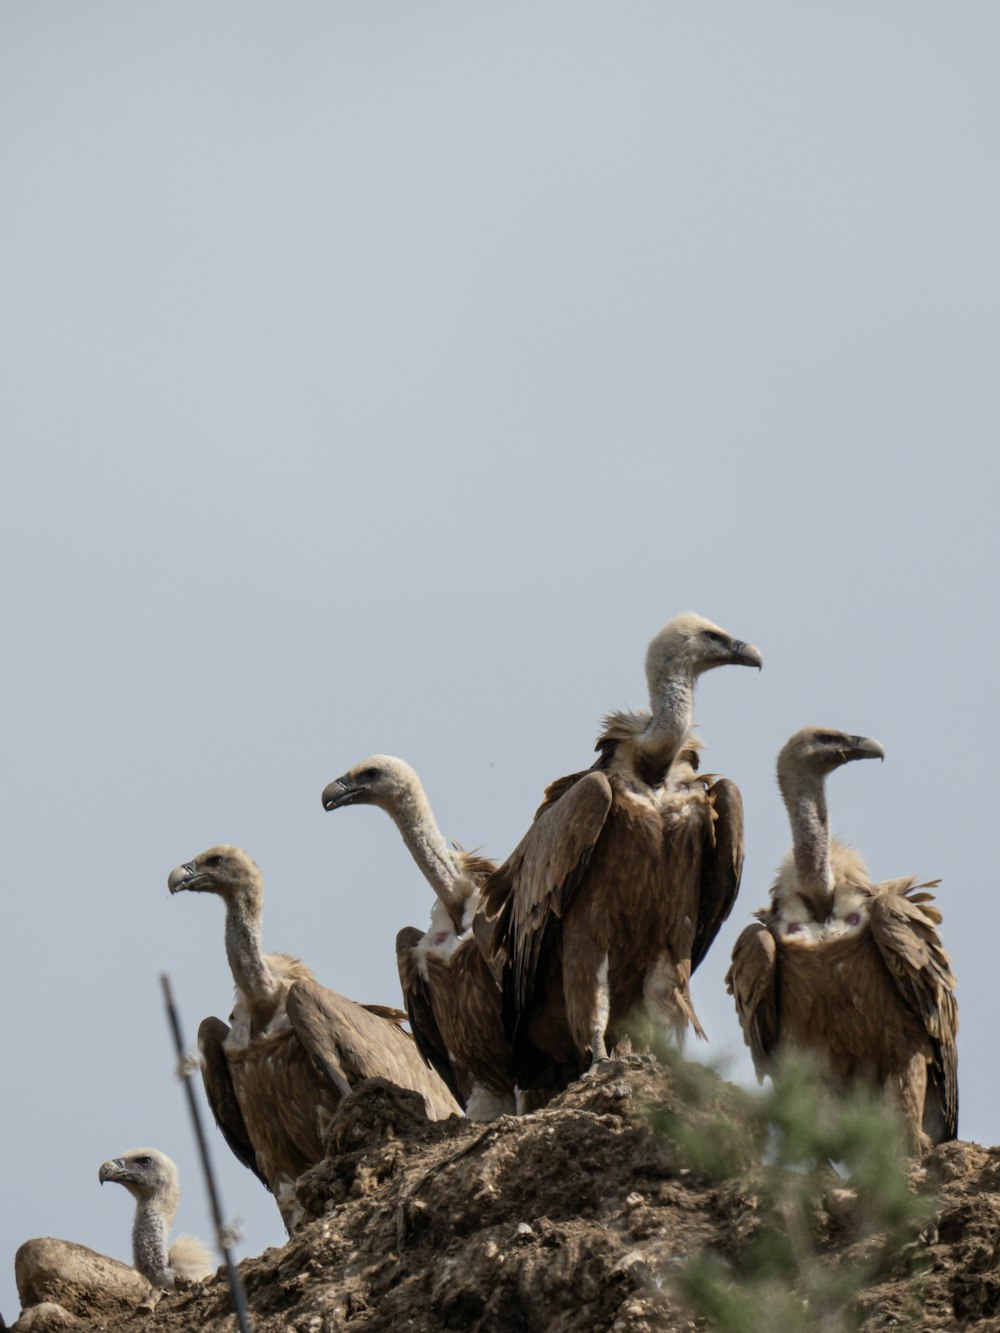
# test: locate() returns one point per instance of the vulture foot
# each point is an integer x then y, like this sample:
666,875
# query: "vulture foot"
151,1302
605,1065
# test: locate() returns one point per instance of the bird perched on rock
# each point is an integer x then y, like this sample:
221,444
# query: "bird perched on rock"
451,996
151,1178
616,892
852,971
65,1285
274,1077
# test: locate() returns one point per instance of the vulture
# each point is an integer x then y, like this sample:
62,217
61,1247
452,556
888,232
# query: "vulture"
151,1178
451,996
62,1284
275,1077
847,969
616,892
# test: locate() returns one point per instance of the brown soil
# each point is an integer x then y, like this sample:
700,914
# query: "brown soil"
574,1218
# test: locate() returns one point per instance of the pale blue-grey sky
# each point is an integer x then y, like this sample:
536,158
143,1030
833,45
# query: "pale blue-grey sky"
380,378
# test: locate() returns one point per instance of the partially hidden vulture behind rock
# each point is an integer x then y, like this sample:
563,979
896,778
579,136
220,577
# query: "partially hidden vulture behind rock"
65,1285
616,892
275,1077
451,996
849,970
151,1178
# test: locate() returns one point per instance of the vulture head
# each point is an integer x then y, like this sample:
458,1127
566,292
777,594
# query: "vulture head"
690,644
224,870
817,751
145,1173
378,780
814,869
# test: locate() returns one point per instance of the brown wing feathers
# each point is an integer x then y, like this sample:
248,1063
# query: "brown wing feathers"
530,892
904,926
221,1094
420,1011
750,980
721,866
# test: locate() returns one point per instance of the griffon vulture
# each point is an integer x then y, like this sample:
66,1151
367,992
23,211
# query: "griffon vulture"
274,1078
451,997
151,1178
61,1284
851,970
615,894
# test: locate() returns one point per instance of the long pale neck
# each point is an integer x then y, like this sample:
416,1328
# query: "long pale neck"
415,820
250,972
150,1234
805,800
672,701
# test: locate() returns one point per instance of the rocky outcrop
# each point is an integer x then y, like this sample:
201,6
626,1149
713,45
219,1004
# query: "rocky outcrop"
577,1217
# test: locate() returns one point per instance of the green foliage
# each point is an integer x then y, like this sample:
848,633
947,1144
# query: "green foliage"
778,1148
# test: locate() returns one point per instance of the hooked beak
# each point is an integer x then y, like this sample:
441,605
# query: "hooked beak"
113,1170
863,747
181,877
745,654
340,792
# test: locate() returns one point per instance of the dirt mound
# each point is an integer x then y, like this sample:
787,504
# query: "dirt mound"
577,1217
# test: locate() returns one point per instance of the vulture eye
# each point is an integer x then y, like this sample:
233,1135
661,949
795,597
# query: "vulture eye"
828,738
144,1161
712,637
213,861
368,775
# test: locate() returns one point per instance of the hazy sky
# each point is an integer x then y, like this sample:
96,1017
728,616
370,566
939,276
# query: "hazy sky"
380,378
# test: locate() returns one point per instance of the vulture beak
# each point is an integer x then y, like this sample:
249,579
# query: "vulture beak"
863,747
112,1170
745,654
340,792
180,878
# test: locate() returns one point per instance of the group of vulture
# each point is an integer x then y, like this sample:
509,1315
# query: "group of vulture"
535,971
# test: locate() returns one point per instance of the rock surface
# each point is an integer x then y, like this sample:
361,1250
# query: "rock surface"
574,1218
62,1283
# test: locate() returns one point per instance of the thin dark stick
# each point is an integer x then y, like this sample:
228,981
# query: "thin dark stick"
235,1283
